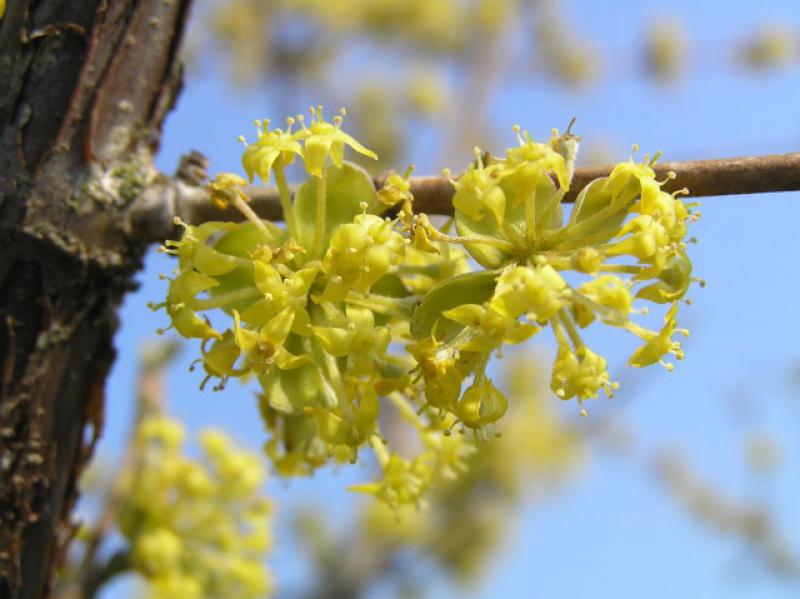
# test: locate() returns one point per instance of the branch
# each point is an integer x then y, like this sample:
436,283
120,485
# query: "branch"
152,219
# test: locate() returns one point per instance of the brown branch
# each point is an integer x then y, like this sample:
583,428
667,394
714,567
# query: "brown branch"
725,176
152,216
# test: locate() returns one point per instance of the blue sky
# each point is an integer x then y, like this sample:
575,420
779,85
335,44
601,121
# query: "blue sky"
614,532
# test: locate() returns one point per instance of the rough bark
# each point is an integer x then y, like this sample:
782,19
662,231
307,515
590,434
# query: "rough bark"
86,85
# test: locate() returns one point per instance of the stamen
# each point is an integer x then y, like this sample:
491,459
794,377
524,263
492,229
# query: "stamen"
670,175
204,381
655,158
516,129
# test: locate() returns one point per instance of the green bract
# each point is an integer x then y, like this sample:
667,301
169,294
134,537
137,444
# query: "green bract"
345,313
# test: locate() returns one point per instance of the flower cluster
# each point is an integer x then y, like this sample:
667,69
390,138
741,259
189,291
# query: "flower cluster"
468,515
344,313
196,528
623,240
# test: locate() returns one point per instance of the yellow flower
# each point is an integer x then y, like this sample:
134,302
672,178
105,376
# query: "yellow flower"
181,299
225,189
490,328
397,189
281,293
264,349
657,345
538,291
157,551
648,239
193,250
526,164
437,363
672,282
322,139
404,481
360,253
165,431
478,190
665,50
174,584
629,179
609,292
582,374
481,404
668,211
197,528
272,149
358,339
350,424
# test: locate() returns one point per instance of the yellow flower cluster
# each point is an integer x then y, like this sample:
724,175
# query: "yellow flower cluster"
771,46
343,313
469,515
415,21
509,214
196,528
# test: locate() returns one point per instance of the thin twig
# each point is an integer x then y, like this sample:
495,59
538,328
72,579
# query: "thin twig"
434,195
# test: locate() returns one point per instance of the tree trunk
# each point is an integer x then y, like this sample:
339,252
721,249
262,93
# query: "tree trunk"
86,85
